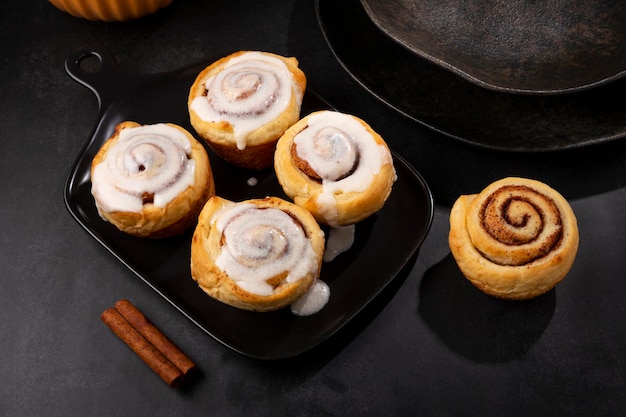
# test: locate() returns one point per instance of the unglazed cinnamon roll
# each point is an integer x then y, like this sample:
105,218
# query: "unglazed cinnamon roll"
151,180
517,239
334,165
241,104
258,255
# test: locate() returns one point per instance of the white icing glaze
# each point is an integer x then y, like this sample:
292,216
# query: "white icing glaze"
151,159
260,243
340,239
313,300
331,152
252,90
343,153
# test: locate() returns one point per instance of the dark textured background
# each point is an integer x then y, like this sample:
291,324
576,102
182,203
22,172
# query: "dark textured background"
432,346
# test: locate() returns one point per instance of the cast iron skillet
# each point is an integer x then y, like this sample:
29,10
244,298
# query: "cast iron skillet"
385,245
445,102
522,46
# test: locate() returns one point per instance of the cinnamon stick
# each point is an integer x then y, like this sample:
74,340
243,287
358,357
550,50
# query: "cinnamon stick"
154,336
152,346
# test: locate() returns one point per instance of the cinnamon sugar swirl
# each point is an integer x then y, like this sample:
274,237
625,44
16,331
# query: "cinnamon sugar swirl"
516,239
241,104
336,166
259,255
151,180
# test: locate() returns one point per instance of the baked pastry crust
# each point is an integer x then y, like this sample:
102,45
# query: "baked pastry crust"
252,149
266,288
516,239
150,220
361,191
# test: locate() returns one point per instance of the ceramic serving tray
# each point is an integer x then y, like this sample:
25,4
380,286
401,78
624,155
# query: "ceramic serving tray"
384,244
523,46
440,99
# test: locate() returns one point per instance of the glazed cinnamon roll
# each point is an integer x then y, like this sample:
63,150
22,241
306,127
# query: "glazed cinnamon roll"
516,239
334,165
151,180
241,104
259,255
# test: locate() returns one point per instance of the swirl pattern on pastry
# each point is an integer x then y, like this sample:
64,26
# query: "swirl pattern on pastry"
334,165
246,99
143,172
147,164
258,254
245,90
516,239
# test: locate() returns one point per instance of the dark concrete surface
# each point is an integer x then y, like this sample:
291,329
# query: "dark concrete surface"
432,346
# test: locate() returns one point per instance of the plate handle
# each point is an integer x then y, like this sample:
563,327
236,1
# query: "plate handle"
96,68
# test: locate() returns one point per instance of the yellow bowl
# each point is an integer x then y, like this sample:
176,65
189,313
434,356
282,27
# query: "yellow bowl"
110,10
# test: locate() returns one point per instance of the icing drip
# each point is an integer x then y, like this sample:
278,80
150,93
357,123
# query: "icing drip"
343,153
313,300
261,245
520,219
250,91
148,164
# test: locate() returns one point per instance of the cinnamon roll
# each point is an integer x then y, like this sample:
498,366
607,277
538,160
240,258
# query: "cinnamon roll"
241,104
335,166
259,255
151,180
516,239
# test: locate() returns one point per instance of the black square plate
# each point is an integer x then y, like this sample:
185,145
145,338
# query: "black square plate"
384,243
